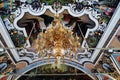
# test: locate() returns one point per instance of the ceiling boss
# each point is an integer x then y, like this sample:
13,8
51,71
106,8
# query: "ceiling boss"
57,41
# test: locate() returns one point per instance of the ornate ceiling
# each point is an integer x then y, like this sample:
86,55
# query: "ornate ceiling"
95,22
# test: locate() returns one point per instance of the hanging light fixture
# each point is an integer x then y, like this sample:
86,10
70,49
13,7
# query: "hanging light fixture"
57,41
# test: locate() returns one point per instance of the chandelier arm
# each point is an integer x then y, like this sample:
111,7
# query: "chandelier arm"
31,31
30,34
83,35
81,31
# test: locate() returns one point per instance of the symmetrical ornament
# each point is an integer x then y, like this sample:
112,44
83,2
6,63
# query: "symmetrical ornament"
57,41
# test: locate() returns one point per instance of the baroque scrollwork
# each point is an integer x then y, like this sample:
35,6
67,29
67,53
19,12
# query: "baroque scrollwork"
78,8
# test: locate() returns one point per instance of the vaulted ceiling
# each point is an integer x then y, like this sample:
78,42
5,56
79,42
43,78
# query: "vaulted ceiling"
96,23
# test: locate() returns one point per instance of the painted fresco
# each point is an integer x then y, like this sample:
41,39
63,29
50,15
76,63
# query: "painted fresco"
95,22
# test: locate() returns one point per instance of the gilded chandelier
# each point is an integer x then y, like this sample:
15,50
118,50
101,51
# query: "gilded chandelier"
57,41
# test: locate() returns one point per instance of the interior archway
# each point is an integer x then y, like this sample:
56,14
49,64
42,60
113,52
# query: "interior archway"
68,66
55,72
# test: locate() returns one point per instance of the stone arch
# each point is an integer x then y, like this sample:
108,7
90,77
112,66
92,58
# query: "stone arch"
52,60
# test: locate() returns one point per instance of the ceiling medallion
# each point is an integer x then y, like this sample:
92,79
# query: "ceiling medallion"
57,41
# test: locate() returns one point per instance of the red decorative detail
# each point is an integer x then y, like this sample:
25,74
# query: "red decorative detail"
4,78
118,59
105,78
